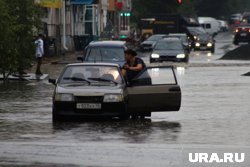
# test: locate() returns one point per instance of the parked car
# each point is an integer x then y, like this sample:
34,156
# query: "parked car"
242,34
149,43
105,51
169,49
99,89
184,38
201,40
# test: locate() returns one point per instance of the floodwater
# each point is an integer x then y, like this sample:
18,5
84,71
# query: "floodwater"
214,117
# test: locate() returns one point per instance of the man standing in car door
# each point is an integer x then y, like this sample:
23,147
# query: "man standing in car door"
133,66
39,53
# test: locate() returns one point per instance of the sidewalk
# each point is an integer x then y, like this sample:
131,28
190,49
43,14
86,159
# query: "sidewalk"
68,58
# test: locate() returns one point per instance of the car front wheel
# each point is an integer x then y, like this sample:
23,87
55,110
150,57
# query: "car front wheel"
236,42
55,116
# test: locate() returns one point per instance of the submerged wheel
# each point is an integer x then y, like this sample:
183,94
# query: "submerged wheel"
124,117
55,116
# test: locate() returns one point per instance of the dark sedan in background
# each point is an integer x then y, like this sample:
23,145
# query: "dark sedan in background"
169,49
242,34
149,43
201,40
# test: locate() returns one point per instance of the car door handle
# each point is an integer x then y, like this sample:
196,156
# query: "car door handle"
174,89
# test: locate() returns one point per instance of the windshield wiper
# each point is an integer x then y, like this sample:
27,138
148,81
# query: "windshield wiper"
103,80
77,79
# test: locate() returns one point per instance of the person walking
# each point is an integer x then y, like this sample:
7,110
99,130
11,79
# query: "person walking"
39,53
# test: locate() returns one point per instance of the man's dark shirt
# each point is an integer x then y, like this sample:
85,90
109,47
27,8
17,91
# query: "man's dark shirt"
131,74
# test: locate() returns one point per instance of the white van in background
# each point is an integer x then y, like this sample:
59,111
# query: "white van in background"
211,25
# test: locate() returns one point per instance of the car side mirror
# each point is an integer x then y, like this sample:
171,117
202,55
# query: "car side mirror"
53,81
79,58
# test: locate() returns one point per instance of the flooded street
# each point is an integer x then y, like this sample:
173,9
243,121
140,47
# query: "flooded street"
214,117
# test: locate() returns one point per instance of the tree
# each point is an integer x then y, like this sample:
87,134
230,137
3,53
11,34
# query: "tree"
7,53
18,21
142,8
188,8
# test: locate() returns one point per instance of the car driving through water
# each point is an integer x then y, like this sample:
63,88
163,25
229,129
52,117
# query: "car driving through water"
99,89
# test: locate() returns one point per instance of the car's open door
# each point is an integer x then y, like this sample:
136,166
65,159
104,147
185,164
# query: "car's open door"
161,93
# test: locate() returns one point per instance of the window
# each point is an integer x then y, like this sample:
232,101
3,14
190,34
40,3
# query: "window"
162,75
156,76
112,54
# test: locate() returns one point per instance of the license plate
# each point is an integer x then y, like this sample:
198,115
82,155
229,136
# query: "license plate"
243,34
203,48
88,105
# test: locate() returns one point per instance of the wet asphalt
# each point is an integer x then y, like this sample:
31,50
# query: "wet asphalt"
214,117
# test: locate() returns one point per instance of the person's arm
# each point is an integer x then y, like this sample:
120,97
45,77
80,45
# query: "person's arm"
139,67
123,72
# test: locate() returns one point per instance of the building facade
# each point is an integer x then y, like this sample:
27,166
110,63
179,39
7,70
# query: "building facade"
75,23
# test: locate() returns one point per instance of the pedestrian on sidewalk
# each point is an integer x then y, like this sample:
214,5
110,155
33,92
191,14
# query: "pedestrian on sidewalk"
39,53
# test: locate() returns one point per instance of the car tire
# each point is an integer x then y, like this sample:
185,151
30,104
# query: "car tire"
213,50
186,60
236,42
124,117
55,116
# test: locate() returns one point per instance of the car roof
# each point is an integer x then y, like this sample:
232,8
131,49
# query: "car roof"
159,34
243,25
107,43
92,64
177,34
170,39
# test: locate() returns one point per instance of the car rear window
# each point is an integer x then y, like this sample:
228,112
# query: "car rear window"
111,54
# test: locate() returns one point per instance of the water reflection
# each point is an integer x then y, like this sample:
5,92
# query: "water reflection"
131,131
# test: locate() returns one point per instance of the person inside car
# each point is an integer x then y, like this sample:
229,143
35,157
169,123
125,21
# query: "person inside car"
133,66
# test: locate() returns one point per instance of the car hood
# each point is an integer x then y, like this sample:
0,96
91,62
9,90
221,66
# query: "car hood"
119,62
168,52
89,90
148,42
205,38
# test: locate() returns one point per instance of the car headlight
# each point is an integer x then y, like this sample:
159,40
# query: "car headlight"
109,98
197,44
180,56
209,44
64,97
155,55
195,37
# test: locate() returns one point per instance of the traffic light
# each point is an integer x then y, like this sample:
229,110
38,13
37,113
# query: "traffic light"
126,14
179,2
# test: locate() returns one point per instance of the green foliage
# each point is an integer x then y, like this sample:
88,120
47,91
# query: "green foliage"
18,19
145,8
188,8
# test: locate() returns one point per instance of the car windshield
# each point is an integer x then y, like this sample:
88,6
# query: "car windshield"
109,54
168,45
196,30
90,75
154,38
